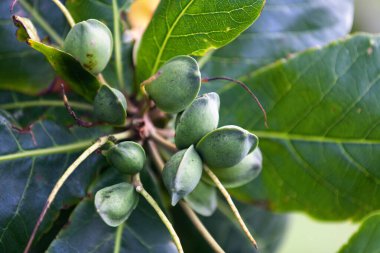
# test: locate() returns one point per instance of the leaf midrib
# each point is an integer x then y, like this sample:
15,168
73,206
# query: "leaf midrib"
68,148
312,138
167,36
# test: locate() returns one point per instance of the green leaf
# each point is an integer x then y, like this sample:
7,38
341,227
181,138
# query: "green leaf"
284,27
366,239
30,164
320,153
69,69
66,66
192,27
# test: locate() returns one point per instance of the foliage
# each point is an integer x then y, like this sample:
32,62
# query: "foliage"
319,154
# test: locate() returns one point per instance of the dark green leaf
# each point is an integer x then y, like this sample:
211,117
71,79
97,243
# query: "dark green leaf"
320,152
192,27
30,164
366,239
284,27
69,69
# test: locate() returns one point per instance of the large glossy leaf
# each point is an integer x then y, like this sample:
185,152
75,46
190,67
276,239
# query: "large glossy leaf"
192,27
30,164
284,27
321,149
366,239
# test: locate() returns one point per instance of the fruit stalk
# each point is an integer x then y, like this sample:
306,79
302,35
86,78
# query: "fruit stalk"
65,12
230,202
140,189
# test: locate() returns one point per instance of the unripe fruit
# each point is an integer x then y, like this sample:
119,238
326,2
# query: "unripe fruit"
177,84
182,173
203,199
115,203
200,118
226,146
90,42
128,157
240,174
110,105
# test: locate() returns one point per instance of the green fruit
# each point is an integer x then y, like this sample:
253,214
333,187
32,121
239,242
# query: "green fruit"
182,173
90,42
115,203
110,106
177,84
200,118
226,146
240,174
128,157
203,199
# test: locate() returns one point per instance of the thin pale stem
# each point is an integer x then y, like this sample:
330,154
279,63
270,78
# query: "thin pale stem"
245,87
65,12
47,103
230,202
140,189
41,21
156,155
118,238
117,43
200,227
100,142
162,141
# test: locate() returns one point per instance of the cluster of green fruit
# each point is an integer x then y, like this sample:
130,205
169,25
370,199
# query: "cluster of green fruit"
90,43
229,151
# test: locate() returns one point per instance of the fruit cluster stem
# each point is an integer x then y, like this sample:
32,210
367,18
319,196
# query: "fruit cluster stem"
99,143
201,228
65,12
140,189
230,202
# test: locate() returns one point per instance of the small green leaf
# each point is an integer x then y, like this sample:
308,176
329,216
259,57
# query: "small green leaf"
366,239
180,28
320,154
69,69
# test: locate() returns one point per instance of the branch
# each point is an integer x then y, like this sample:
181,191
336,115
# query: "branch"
100,142
235,211
200,227
140,189
65,12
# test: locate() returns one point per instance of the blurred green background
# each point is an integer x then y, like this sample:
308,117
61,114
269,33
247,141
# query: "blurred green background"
306,235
